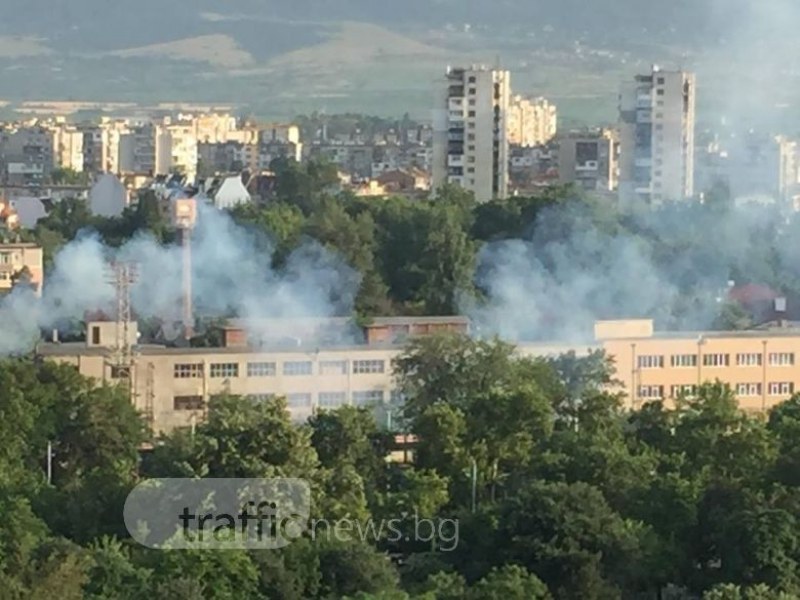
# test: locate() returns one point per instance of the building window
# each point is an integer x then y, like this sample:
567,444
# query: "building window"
224,370
684,360
471,148
472,101
752,359
781,389
299,400
471,114
471,79
660,81
470,169
96,335
332,399
748,389
367,398
333,367
683,391
716,360
188,371
187,403
659,92
781,359
361,367
261,369
651,392
472,91
120,372
650,362
5,258
295,368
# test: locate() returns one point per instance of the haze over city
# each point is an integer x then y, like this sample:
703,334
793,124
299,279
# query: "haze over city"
417,301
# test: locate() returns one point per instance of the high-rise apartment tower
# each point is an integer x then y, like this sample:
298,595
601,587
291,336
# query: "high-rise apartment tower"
657,119
470,143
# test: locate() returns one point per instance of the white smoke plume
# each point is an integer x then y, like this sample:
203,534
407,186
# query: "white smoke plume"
231,276
672,265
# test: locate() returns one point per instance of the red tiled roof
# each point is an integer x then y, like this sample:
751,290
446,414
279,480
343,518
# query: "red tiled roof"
751,293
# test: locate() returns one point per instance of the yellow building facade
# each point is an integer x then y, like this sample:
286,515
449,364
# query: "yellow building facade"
172,386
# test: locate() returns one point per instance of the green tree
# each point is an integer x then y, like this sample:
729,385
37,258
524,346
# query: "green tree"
510,582
448,262
353,239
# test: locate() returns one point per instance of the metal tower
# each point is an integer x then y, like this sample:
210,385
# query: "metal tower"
122,277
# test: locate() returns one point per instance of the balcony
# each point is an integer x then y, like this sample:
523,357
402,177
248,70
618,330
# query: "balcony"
455,160
455,91
456,104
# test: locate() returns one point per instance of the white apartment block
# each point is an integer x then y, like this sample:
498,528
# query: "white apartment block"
531,122
470,139
176,148
657,121
67,147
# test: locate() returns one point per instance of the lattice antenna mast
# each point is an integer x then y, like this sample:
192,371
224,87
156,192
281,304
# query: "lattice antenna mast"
123,276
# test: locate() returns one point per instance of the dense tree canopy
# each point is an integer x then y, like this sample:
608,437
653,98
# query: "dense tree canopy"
549,488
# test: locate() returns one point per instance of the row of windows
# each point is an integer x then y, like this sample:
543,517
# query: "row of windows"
752,359
269,369
298,400
656,392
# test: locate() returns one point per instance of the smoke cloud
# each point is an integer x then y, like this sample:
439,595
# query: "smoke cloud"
672,265
231,273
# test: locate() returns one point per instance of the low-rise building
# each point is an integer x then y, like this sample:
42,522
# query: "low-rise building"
316,368
21,264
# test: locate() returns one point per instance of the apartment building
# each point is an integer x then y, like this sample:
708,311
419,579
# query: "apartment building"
657,121
137,150
470,138
67,147
176,148
531,121
589,159
27,154
21,262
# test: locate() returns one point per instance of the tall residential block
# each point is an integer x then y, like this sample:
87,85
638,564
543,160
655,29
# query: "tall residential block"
657,120
531,121
470,138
